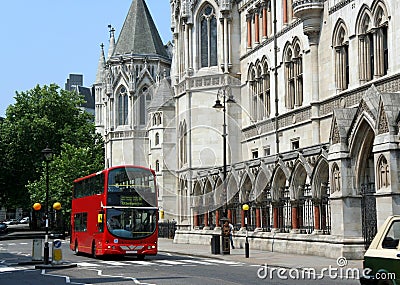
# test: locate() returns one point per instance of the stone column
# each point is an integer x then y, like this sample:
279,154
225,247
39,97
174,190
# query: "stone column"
195,220
264,21
275,213
285,13
256,27
226,44
248,19
217,226
258,220
206,224
295,217
345,203
230,215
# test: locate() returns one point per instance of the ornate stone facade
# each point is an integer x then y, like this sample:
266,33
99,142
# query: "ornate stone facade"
311,141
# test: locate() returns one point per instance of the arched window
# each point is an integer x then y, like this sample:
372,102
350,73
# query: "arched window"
341,46
157,165
157,139
252,92
383,173
182,143
267,90
294,76
373,43
122,106
260,94
154,119
144,100
208,37
159,121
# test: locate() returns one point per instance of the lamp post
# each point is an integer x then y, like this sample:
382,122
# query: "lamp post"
225,93
48,155
245,208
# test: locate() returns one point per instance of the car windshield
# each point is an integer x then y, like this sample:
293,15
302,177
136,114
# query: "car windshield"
131,223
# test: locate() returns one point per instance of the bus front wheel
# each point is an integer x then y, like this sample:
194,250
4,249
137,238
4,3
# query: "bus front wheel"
76,250
94,250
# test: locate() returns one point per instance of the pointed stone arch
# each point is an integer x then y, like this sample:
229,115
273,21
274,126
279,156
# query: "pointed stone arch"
279,181
246,185
298,181
361,151
320,179
261,182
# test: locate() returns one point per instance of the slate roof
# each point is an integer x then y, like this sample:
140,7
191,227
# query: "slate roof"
139,34
89,100
162,96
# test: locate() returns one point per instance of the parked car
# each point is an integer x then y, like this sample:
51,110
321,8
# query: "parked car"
11,222
382,259
3,228
24,220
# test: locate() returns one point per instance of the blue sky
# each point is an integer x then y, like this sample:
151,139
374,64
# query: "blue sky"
43,41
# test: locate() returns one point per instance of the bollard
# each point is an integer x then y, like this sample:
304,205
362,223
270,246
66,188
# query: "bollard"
57,252
37,249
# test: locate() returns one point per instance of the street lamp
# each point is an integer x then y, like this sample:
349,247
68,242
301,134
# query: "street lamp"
225,93
48,155
245,208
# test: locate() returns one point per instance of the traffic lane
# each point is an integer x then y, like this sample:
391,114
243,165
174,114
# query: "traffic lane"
29,277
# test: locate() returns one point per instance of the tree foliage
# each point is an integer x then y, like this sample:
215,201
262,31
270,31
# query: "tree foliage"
73,162
43,116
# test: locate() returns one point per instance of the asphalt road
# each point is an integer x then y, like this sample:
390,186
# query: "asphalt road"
161,269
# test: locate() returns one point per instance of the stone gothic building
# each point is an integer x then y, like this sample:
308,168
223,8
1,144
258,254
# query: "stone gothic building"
134,100
308,133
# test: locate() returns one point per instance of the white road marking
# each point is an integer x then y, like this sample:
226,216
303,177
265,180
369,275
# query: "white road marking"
140,262
113,263
171,262
222,261
197,262
87,264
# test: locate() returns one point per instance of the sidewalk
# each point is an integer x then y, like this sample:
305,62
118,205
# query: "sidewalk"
257,257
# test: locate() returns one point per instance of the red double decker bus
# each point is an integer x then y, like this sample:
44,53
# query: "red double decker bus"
114,211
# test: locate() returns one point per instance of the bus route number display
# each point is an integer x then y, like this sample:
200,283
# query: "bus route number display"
131,201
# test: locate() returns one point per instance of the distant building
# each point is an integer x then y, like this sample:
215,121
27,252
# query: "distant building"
75,83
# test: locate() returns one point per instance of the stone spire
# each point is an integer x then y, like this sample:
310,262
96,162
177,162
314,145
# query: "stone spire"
101,65
111,47
139,34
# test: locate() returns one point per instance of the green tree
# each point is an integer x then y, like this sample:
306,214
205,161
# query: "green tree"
43,116
73,162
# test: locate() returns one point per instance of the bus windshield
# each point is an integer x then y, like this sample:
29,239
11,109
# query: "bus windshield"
131,187
131,202
130,222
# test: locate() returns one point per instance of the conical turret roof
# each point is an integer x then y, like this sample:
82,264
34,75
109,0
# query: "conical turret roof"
100,66
139,34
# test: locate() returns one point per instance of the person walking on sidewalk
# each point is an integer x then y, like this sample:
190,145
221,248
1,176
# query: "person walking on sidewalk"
231,229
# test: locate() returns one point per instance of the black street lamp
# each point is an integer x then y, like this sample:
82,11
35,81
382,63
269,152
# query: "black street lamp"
245,208
48,156
225,93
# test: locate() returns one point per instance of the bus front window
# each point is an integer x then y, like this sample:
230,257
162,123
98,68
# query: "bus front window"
131,222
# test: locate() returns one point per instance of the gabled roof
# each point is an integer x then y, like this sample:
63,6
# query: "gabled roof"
139,34
163,96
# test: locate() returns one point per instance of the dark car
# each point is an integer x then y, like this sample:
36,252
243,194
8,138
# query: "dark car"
3,228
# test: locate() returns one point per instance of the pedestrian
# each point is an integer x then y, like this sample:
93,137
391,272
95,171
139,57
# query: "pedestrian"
231,230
